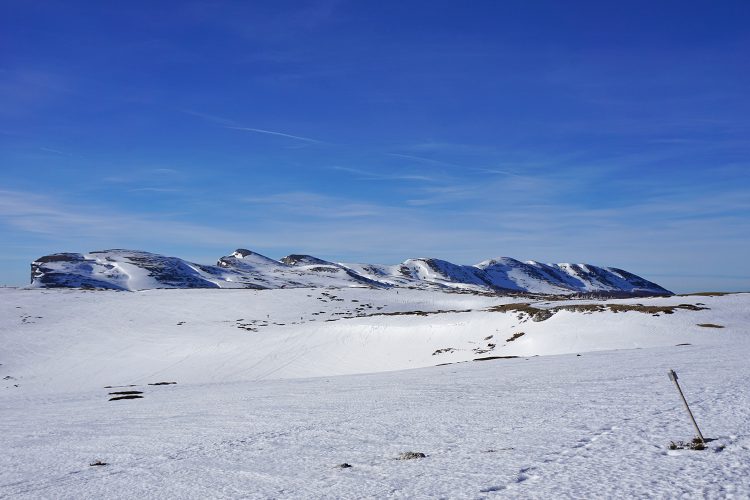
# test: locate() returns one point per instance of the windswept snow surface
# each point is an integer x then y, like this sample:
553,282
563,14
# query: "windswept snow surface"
246,420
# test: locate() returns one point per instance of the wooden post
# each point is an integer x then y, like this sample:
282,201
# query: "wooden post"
673,378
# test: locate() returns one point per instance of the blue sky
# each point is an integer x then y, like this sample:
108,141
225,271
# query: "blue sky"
613,133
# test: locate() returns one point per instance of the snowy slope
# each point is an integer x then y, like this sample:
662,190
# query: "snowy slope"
563,278
424,273
241,422
67,339
137,270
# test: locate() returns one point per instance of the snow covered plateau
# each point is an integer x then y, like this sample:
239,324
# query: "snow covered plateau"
317,391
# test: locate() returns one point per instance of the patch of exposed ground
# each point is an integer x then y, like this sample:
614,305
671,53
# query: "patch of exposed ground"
515,336
482,350
444,351
527,311
489,358
420,313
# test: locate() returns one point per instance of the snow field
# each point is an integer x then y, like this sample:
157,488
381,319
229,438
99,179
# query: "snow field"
593,426
245,420
72,340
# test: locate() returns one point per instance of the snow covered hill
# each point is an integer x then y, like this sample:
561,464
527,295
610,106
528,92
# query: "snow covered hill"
137,270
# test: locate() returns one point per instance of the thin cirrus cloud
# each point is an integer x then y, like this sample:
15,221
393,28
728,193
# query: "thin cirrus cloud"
145,176
52,219
278,134
153,190
374,176
54,151
316,205
233,125
208,117
423,159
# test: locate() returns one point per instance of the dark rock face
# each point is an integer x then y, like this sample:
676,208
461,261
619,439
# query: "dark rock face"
169,271
136,270
303,260
67,270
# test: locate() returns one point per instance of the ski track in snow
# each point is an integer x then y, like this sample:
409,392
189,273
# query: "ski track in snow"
556,426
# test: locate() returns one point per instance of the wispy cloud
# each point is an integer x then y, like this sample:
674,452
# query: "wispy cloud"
234,125
668,233
318,206
153,190
496,171
374,176
96,225
450,147
423,159
54,151
212,118
280,134
25,90
147,175
162,170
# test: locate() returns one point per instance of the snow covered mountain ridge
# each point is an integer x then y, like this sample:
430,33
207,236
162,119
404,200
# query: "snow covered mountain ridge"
137,270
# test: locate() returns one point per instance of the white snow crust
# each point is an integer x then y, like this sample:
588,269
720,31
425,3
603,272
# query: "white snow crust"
271,396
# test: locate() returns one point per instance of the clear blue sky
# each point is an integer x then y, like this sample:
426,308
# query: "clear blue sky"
614,133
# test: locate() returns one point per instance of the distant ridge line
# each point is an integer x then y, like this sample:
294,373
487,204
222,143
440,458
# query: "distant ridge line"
132,270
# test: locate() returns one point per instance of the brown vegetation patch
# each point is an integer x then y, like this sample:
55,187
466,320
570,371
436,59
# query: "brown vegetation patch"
653,309
524,309
482,350
419,313
696,444
515,336
527,311
584,308
444,350
617,308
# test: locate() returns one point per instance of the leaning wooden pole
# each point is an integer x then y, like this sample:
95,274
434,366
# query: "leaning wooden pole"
673,378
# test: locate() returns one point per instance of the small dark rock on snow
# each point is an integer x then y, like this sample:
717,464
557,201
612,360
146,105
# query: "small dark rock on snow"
129,396
411,455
